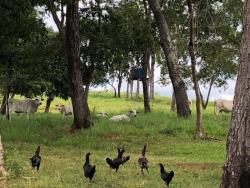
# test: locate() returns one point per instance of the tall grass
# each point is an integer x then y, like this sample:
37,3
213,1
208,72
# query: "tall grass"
196,163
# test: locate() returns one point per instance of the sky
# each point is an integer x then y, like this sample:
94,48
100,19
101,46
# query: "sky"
216,93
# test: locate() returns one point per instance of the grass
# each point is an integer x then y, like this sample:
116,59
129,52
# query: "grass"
196,163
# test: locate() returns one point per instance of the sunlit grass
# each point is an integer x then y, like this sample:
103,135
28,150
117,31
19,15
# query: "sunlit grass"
197,163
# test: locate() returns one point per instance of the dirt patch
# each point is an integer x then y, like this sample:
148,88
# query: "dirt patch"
198,166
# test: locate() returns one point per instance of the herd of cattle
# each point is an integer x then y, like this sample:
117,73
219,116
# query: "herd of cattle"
29,106
66,110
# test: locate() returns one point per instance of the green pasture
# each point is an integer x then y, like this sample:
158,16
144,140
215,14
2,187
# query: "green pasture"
196,163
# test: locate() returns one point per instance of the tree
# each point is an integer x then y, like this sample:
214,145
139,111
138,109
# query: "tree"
135,41
151,77
199,127
56,74
145,61
71,44
172,60
237,168
145,64
81,111
21,34
216,39
95,44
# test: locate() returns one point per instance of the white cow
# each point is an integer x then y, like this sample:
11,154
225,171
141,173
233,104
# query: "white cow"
223,105
125,117
102,114
65,109
27,106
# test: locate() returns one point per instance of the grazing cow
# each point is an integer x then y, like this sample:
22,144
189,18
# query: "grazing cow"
102,114
65,109
223,105
125,117
27,106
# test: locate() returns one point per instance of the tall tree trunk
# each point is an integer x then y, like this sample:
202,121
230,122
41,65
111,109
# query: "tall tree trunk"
48,102
2,169
199,127
137,88
151,77
119,86
172,61
115,93
7,113
86,92
71,41
237,168
173,103
127,93
81,111
3,105
131,88
145,64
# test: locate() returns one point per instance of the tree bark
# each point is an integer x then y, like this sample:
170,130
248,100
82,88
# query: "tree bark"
131,88
86,92
172,60
199,127
119,86
3,105
137,88
127,93
81,111
173,103
59,24
71,44
48,102
2,169
237,168
145,64
7,113
151,77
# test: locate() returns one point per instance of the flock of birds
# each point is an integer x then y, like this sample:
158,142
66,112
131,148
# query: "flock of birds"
89,170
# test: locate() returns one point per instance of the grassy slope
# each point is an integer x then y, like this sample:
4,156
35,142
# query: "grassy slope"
197,163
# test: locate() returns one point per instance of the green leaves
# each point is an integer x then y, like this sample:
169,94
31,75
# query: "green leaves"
217,36
21,33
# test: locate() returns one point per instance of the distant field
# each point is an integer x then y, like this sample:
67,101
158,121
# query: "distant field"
196,163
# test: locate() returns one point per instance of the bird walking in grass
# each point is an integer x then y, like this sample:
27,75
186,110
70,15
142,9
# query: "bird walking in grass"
36,159
143,161
120,160
166,176
88,169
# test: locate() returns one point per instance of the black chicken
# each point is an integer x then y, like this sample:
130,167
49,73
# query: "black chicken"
143,161
120,160
36,159
88,169
165,176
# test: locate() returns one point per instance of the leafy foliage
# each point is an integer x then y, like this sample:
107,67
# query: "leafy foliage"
217,37
21,35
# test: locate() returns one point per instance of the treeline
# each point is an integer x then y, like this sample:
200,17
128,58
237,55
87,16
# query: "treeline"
99,42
